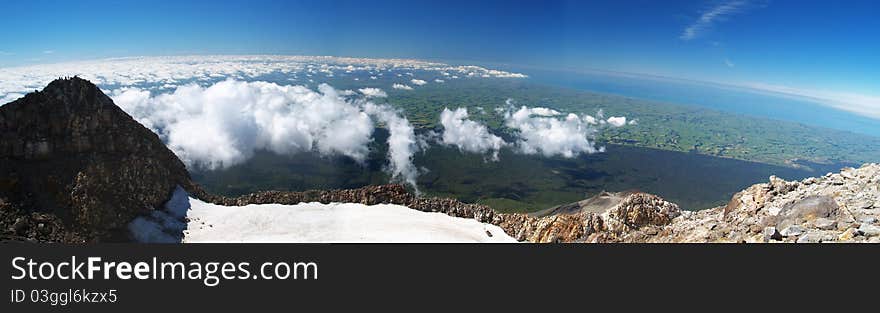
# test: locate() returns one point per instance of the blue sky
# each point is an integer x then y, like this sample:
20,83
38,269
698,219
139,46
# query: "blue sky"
805,45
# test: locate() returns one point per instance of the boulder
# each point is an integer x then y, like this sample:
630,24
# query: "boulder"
806,209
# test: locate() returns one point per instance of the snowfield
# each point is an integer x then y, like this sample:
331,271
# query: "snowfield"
336,222
306,222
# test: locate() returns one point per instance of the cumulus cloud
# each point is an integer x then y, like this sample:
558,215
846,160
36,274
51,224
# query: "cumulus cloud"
617,121
439,81
373,92
401,87
543,111
222,125
710,17
418,82
537,130
468,135
539,133
402,143
589,119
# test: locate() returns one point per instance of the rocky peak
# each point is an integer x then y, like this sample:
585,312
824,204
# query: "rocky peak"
69,153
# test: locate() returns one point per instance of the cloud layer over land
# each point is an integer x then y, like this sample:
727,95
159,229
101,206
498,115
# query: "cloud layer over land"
211,113
171,71
211,117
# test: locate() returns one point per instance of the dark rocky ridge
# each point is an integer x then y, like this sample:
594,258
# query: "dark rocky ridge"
74,167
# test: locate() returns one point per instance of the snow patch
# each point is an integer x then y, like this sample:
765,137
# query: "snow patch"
186,219
335,222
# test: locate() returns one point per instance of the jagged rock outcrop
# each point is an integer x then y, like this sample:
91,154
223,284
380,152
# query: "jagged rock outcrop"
599,203
74,162
839,207
369,195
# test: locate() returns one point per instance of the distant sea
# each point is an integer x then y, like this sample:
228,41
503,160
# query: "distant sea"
709,95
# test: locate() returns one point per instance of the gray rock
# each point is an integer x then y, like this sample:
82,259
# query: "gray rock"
824,223
20,226
868,220
862,205
870,230
793,230
771,233
811,237
808,208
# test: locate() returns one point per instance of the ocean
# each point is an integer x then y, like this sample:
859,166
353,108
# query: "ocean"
714,96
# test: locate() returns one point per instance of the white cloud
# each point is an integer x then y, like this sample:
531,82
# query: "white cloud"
439,81
10,97
865,105
543,111
468,135
373,92
567,136
222,125
401,87
402,143
145,72
537,131
617,121
708,18
418,82
590,119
